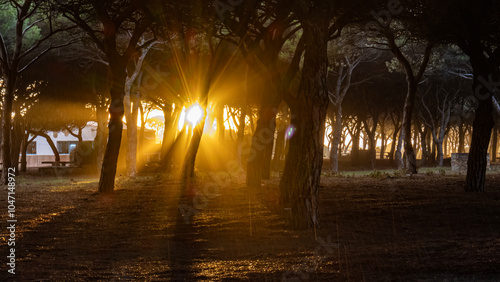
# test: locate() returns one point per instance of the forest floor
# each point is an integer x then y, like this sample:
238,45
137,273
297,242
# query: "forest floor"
375,227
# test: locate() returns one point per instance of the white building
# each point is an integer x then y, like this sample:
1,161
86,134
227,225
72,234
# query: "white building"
39,150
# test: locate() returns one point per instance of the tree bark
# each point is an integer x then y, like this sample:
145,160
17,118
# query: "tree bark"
259,162
494,144
482,126
24,148
131,108
9,82
101,135
407,119
192,151
461,138
17,136
383,137
337,135
115,127
355,143
399,155
299,185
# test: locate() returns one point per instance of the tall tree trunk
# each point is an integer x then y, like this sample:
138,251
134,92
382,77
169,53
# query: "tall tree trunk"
9,82
16,137
383,139
192,151
262,137
440,154
407,118
299,185
337,136
461,138
494,143
115,127
142,132
132,114
24,148
280,141
101,135
259,166
394,143
423,144
445,146
399,154
355,143
481,134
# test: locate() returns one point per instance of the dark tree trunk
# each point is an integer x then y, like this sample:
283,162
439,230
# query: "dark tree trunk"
461,138
494,143
259,162
399,155
192,151
9,82
423,143
372,140
383,137
440,153
299,185
262,139
394,142
115,127
337,136
407,119
355,143
280,143
101,135
17,136
131,157
24,148
194,144
481,133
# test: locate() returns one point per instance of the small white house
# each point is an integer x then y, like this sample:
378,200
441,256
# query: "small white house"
39,150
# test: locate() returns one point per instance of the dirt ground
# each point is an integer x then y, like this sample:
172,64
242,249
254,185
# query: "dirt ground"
374,228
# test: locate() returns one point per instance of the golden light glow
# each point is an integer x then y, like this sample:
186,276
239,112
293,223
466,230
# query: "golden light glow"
194,114
182,119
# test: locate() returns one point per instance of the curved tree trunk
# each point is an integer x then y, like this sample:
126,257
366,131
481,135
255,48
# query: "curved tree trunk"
51,144
194,144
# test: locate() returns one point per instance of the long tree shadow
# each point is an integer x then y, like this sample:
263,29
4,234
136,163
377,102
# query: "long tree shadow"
185,245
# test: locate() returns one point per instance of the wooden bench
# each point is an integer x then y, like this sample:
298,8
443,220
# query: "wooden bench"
57,163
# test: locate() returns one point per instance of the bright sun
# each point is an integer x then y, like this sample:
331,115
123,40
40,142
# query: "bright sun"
194,114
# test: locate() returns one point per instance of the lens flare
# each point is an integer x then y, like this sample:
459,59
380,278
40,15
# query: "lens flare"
194,114
290,131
